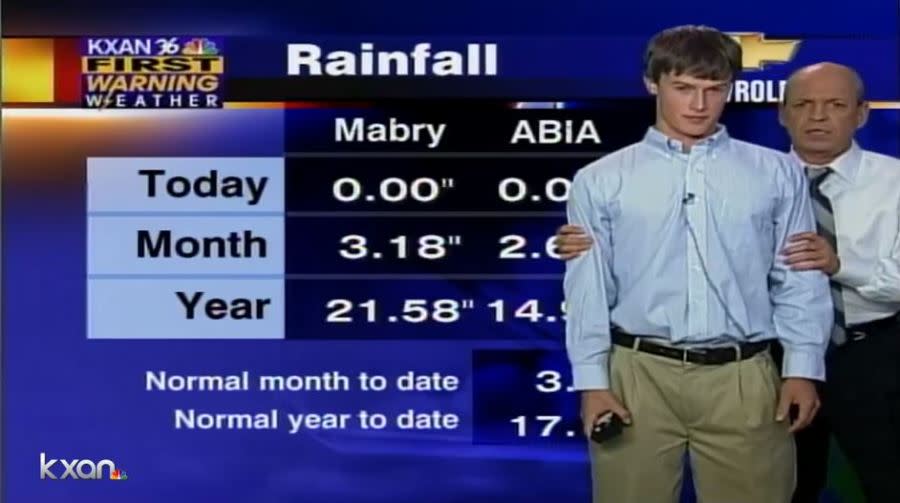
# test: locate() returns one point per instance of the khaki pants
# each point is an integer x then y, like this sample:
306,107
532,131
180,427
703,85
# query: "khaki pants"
722,415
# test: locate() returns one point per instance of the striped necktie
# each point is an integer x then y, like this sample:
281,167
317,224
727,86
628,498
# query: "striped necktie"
825,227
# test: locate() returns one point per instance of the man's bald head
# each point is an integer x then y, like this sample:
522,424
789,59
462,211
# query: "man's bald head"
827,71
822,109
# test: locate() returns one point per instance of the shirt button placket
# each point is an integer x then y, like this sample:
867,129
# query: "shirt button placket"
696,215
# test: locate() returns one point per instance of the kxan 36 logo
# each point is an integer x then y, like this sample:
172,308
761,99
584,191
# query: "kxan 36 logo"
79,469
759,54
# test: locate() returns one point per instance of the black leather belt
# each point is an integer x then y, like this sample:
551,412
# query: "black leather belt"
874,327
704,356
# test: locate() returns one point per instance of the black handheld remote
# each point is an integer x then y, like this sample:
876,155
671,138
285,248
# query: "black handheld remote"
606,427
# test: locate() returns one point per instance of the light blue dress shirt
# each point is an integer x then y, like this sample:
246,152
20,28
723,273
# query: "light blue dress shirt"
687,249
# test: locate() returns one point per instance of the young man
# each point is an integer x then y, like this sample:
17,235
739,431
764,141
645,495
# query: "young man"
671,316
824,106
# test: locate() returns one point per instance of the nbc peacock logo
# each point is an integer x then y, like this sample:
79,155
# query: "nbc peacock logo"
200,47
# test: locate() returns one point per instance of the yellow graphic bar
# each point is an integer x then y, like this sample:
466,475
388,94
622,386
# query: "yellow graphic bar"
153,64
27,70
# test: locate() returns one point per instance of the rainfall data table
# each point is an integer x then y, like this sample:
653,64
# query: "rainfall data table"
390,228
374,224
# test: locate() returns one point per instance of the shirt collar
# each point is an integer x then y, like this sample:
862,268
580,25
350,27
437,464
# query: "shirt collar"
655,138
846,165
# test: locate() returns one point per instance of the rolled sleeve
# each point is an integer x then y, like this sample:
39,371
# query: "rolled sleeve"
852,275
883,284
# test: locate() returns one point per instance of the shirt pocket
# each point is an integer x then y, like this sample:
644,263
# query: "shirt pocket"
748,215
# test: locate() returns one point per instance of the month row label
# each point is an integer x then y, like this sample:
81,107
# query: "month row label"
215,244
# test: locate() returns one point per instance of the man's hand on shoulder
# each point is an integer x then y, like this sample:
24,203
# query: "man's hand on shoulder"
808,250
571,241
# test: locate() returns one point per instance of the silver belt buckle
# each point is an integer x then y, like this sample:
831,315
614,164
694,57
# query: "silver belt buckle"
857,335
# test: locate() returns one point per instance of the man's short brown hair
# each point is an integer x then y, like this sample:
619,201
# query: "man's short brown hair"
698,51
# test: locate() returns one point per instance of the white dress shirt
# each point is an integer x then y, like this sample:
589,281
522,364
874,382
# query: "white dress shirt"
864,191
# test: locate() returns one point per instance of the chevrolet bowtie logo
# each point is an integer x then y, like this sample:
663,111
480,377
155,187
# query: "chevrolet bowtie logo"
759,52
